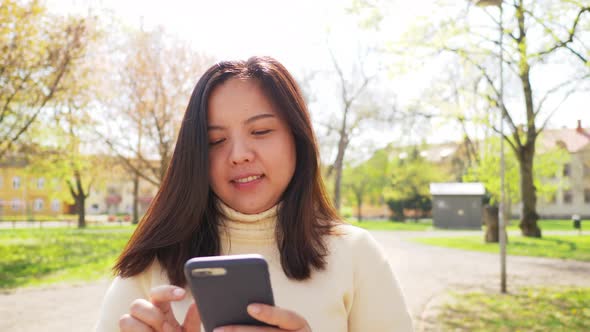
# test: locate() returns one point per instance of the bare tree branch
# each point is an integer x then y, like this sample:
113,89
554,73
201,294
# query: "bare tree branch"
552,91
565,97
562,43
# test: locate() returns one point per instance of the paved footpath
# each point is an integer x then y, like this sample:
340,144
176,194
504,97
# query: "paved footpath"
426,274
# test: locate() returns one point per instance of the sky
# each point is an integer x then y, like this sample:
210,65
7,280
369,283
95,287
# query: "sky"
295,33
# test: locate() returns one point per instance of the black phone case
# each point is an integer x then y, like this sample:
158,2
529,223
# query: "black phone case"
222,299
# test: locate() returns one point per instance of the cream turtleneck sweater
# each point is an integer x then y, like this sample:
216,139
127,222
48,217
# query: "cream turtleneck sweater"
356,292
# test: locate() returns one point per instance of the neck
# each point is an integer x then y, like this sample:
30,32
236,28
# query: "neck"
259,227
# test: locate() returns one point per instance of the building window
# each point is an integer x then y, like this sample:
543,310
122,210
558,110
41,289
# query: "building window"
567,170
552,199
16,182
56,205
568,197
38,204
40,183
16,204
586,195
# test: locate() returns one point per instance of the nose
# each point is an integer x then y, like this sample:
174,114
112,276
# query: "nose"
241,152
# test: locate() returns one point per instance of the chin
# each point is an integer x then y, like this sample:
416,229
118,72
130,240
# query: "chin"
252,208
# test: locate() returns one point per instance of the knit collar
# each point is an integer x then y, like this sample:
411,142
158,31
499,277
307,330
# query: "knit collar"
259,227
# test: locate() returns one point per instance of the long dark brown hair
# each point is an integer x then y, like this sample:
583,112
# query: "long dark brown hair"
183,220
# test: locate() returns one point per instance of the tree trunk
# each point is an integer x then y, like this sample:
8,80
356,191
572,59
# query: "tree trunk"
401,211
79,198
490,219
359,204
526,151
135,198
339,165
529,216
80,203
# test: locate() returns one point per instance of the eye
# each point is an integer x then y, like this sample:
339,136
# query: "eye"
261,132
216,142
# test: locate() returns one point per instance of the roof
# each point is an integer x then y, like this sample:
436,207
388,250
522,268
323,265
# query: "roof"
439,152
432,152
568,138
13,162
457,188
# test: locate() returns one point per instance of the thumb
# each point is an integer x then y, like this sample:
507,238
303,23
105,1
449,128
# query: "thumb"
192,322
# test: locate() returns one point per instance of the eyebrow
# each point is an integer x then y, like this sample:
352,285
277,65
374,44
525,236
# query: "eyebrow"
249,120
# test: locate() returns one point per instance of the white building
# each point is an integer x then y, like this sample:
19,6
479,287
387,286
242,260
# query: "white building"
573,196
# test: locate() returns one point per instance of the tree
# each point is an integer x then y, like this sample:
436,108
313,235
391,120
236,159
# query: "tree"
37,51
549,164
158,74
410,176
537,34
366,180
350,93
63,142
57,153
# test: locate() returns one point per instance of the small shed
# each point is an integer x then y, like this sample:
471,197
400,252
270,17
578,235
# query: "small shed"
457,205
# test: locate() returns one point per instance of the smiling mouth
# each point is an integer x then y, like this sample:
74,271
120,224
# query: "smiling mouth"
248,179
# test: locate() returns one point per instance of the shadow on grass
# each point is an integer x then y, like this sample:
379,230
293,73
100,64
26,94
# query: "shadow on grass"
547,242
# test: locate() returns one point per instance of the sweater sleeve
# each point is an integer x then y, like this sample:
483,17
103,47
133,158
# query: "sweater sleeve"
117,300
378,303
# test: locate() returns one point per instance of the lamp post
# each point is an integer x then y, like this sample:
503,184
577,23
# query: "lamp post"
501,221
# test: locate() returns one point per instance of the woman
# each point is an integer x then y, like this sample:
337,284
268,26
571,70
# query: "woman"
245,178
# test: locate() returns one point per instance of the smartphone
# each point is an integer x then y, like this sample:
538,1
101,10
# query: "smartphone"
223,286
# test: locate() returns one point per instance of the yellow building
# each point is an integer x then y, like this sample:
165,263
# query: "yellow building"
26,195
22,194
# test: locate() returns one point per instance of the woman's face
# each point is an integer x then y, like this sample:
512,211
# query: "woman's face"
251,148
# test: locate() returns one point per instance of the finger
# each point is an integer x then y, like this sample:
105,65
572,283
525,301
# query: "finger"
283,318
148,313
129,324
161,296
192,322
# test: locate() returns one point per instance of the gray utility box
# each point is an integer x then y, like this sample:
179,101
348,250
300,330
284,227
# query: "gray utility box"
457,205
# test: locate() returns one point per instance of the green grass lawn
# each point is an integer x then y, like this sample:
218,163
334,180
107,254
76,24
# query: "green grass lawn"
426,224
33,256
384,225
528,309
554,246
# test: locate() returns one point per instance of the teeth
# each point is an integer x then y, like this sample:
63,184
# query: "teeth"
248,179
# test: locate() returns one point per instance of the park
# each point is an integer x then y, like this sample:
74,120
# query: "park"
458,138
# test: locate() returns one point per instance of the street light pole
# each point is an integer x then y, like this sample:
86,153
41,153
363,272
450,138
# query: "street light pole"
501,221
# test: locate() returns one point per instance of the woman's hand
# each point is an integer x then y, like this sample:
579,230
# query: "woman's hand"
285,320
156,314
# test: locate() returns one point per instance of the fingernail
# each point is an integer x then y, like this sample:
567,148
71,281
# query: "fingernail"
254,309
219,329
178,292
